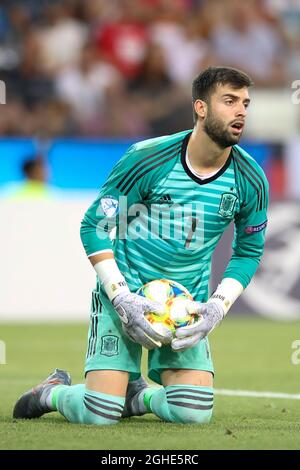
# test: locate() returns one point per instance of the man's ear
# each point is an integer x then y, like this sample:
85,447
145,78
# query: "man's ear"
200,108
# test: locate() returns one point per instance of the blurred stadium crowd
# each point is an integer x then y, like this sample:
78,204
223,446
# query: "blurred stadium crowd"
124,67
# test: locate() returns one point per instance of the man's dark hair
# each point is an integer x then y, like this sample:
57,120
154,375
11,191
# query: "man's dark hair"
206,82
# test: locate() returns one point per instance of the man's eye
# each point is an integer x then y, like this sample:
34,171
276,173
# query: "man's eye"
229,102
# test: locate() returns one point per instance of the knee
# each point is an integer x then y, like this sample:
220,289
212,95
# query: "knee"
190,404
99,420
185,415
100,412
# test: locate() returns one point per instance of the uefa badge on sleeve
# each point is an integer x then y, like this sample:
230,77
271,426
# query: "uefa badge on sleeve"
110,205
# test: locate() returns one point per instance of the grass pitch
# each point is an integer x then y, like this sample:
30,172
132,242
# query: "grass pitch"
249,354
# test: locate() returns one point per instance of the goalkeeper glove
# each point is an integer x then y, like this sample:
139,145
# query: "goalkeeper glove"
131,308
210,315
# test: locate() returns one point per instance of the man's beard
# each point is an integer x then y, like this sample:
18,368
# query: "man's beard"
214,128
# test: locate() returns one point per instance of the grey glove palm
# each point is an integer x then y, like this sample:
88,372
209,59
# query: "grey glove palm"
131,309
188,336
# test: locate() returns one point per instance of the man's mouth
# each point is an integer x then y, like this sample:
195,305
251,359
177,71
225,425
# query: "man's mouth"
237,126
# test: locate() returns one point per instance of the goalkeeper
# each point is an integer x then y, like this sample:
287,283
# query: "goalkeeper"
169,200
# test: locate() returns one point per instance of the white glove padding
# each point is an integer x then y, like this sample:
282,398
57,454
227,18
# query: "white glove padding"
210,315
131,309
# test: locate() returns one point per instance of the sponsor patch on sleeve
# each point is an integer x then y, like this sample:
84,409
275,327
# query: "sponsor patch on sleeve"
256,228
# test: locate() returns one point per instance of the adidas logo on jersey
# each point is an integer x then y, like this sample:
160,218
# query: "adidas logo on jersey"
166,199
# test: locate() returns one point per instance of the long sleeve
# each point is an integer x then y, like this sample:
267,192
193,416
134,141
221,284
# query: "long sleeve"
103,215
249,237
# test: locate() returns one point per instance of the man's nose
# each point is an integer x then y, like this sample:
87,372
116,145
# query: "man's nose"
241,110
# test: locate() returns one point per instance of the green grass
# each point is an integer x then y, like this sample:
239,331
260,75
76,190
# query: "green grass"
249,354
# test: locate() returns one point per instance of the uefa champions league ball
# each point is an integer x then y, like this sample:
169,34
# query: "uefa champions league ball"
175,299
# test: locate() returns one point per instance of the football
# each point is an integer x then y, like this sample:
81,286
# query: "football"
175,298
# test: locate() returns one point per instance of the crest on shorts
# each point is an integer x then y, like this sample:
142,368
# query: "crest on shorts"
227,205
109,345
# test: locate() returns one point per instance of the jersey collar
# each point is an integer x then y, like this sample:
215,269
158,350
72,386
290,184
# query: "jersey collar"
192,175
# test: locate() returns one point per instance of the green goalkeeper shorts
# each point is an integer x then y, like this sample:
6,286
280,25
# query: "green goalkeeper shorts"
110,349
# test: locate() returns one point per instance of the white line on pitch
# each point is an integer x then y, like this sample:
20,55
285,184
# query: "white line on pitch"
248,393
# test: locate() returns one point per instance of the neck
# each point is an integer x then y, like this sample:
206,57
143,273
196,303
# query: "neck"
205,156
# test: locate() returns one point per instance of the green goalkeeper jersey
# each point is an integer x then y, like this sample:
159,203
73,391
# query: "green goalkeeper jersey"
162,221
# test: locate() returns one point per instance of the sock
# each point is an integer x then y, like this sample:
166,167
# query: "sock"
47,396
181,403
140,402
80,405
